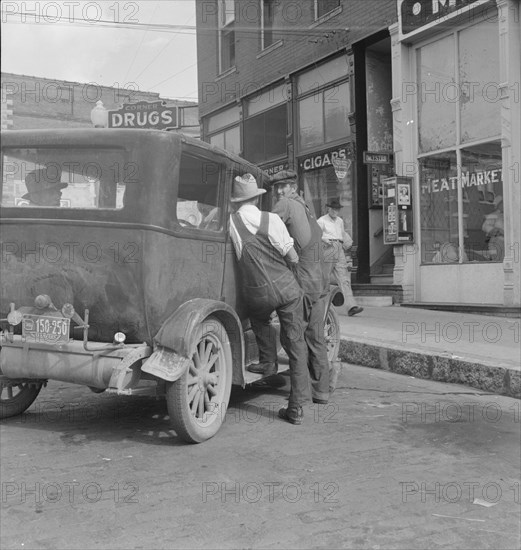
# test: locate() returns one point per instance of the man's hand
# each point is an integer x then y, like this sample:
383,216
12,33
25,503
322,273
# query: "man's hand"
292,256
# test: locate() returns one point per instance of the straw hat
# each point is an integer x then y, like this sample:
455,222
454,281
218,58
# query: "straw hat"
245,188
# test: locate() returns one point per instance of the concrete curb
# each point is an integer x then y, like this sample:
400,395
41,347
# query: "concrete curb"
501,379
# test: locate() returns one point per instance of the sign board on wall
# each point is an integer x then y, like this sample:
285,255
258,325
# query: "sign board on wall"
397,210
146,115
339,158
418,15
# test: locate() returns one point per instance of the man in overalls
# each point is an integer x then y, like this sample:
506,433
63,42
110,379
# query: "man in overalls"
311,273
264,249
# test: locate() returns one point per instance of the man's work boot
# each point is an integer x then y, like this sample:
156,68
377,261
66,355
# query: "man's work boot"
355,310
293,415
267,369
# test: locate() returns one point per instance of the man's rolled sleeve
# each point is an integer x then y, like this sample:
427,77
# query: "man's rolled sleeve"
279,236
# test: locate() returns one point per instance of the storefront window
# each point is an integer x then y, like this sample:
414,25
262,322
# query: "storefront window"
326,176
482,185
479,81
461,189
439,208
436,81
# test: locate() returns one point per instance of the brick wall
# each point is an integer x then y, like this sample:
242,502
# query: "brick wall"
304,43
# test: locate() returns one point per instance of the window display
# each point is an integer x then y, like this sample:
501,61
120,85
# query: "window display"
460,166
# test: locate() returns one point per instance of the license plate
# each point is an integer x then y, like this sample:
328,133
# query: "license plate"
45,330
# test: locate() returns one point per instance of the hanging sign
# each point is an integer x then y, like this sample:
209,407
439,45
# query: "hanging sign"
145,115
341,167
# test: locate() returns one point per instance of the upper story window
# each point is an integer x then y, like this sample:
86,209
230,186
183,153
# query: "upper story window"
323,7
271,12
226,15
324,104
223,129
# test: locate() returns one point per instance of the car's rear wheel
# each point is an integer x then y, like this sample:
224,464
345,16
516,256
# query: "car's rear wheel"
197,402
16,397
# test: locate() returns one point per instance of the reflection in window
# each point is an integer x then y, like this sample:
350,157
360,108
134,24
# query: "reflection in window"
470,174
479,80
199,194
326,184
66,178
439,209
483,203
435,90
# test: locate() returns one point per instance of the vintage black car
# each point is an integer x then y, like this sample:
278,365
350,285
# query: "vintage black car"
118,273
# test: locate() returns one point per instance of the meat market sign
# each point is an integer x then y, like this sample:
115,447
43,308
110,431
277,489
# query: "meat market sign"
418,15
144,114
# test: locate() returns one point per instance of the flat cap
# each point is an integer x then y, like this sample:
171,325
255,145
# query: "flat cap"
284,176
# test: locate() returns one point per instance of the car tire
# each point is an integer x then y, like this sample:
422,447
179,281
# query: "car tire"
15,398
198,401
332,333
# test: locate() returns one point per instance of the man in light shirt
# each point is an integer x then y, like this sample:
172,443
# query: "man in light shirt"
336,239
264,252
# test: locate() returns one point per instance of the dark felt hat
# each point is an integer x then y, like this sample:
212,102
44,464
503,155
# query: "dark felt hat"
41,180
334,203
284,176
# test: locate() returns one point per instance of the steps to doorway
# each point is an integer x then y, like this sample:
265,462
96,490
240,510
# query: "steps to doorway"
386,291
374,301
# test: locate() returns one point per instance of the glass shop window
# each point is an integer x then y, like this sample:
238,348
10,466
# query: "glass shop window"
460,163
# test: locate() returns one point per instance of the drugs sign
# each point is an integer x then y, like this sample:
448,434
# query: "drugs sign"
144,114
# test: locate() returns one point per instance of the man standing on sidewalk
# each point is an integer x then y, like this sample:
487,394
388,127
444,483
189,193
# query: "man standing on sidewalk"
310,273
262,245
336,239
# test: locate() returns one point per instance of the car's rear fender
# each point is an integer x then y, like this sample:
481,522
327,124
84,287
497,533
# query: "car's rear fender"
175,341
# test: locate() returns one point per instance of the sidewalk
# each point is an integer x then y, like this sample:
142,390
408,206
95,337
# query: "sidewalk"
475,350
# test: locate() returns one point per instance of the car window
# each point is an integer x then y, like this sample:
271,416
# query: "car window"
199,195
87,178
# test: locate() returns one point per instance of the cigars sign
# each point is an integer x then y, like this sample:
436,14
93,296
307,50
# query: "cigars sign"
339,158
418,15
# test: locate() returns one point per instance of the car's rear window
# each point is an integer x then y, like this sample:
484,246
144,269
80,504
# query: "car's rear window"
89,178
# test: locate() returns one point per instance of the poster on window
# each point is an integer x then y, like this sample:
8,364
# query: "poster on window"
397,211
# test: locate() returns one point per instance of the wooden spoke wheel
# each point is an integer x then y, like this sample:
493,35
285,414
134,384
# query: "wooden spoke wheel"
197,402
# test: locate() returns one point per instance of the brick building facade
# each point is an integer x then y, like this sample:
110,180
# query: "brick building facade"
320,85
